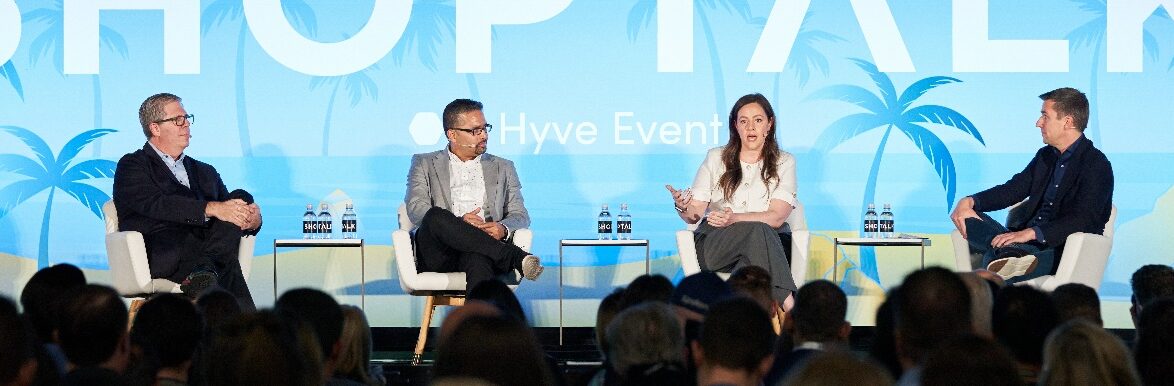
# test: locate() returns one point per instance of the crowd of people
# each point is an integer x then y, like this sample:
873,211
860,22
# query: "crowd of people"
937,328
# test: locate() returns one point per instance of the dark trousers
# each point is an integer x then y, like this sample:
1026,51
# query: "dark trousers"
446,243
979,233
746,243
175,252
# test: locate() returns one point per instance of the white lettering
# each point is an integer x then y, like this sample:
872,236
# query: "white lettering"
181,33
278,38
674,36
975,52
622,128
1123,32
670,133
520,129
475,20
586,133
882,36
778,36
10,36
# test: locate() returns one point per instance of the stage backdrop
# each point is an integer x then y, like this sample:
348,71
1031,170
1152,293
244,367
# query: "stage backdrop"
912,103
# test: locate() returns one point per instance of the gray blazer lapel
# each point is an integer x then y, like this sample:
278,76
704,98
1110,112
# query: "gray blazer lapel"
491,172
440,168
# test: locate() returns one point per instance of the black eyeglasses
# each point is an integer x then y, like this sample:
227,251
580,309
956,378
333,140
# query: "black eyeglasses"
476,130
179,120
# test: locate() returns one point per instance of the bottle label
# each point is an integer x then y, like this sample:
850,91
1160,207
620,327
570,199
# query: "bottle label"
350,226
870,226
326,227
623,227
886,226
317,227
307,226
605,227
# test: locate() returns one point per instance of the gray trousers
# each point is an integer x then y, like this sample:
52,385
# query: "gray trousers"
741,244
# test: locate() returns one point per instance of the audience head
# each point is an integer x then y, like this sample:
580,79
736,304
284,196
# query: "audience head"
1075,300
698,291
644,334
478,338
319,311
18,361
753,282
835,368
981,299
263,348
93,328
884,343
1154,348
355,340
499,294
1021,319
647,288
42,296
970,360
218,306
819,313
737,335
1081,353
1150,282
458,315
608,308
168,328
932,307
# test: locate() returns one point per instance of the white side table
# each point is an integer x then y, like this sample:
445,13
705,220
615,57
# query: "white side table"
875,242
326,243
593,243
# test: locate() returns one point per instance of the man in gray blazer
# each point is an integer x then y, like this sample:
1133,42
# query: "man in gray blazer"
466,204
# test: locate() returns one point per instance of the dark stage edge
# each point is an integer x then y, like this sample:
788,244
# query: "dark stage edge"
578,358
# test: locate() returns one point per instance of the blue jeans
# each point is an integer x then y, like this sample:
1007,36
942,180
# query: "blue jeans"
979,233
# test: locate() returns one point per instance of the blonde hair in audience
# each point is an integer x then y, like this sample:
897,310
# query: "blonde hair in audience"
355,353
1080,353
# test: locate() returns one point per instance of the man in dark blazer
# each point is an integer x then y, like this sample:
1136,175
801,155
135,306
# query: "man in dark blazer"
467,203
191,223
1066,188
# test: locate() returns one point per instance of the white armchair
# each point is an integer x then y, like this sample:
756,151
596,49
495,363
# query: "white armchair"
1087,251
130,271
439,288
800,240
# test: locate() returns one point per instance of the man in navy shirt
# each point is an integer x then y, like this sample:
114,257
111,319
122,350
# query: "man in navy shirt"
1066,188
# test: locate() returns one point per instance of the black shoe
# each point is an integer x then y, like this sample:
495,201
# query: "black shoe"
197,282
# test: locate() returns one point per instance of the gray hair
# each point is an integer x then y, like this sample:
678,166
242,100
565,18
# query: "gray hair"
152,110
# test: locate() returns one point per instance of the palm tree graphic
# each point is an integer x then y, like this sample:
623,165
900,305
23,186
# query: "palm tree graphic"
52,38
1092,33
887,110
641,14
431,22
805,55
53,173
358,85
8,71
226,10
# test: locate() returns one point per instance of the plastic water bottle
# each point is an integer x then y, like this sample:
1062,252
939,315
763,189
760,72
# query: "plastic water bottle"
308,221
324,222
886,222
604,224
350,222
870,222
624,224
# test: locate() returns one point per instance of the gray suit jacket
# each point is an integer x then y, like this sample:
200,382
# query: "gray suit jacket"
428,186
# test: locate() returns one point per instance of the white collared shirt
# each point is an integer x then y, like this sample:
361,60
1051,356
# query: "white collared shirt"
175,164
466,183
753,194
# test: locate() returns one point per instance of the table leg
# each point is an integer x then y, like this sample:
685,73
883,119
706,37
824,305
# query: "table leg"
560,294
835,257
923,255
274,271
647,259
362,276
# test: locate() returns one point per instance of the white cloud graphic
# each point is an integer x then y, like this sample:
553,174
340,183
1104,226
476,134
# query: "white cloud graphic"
426,129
